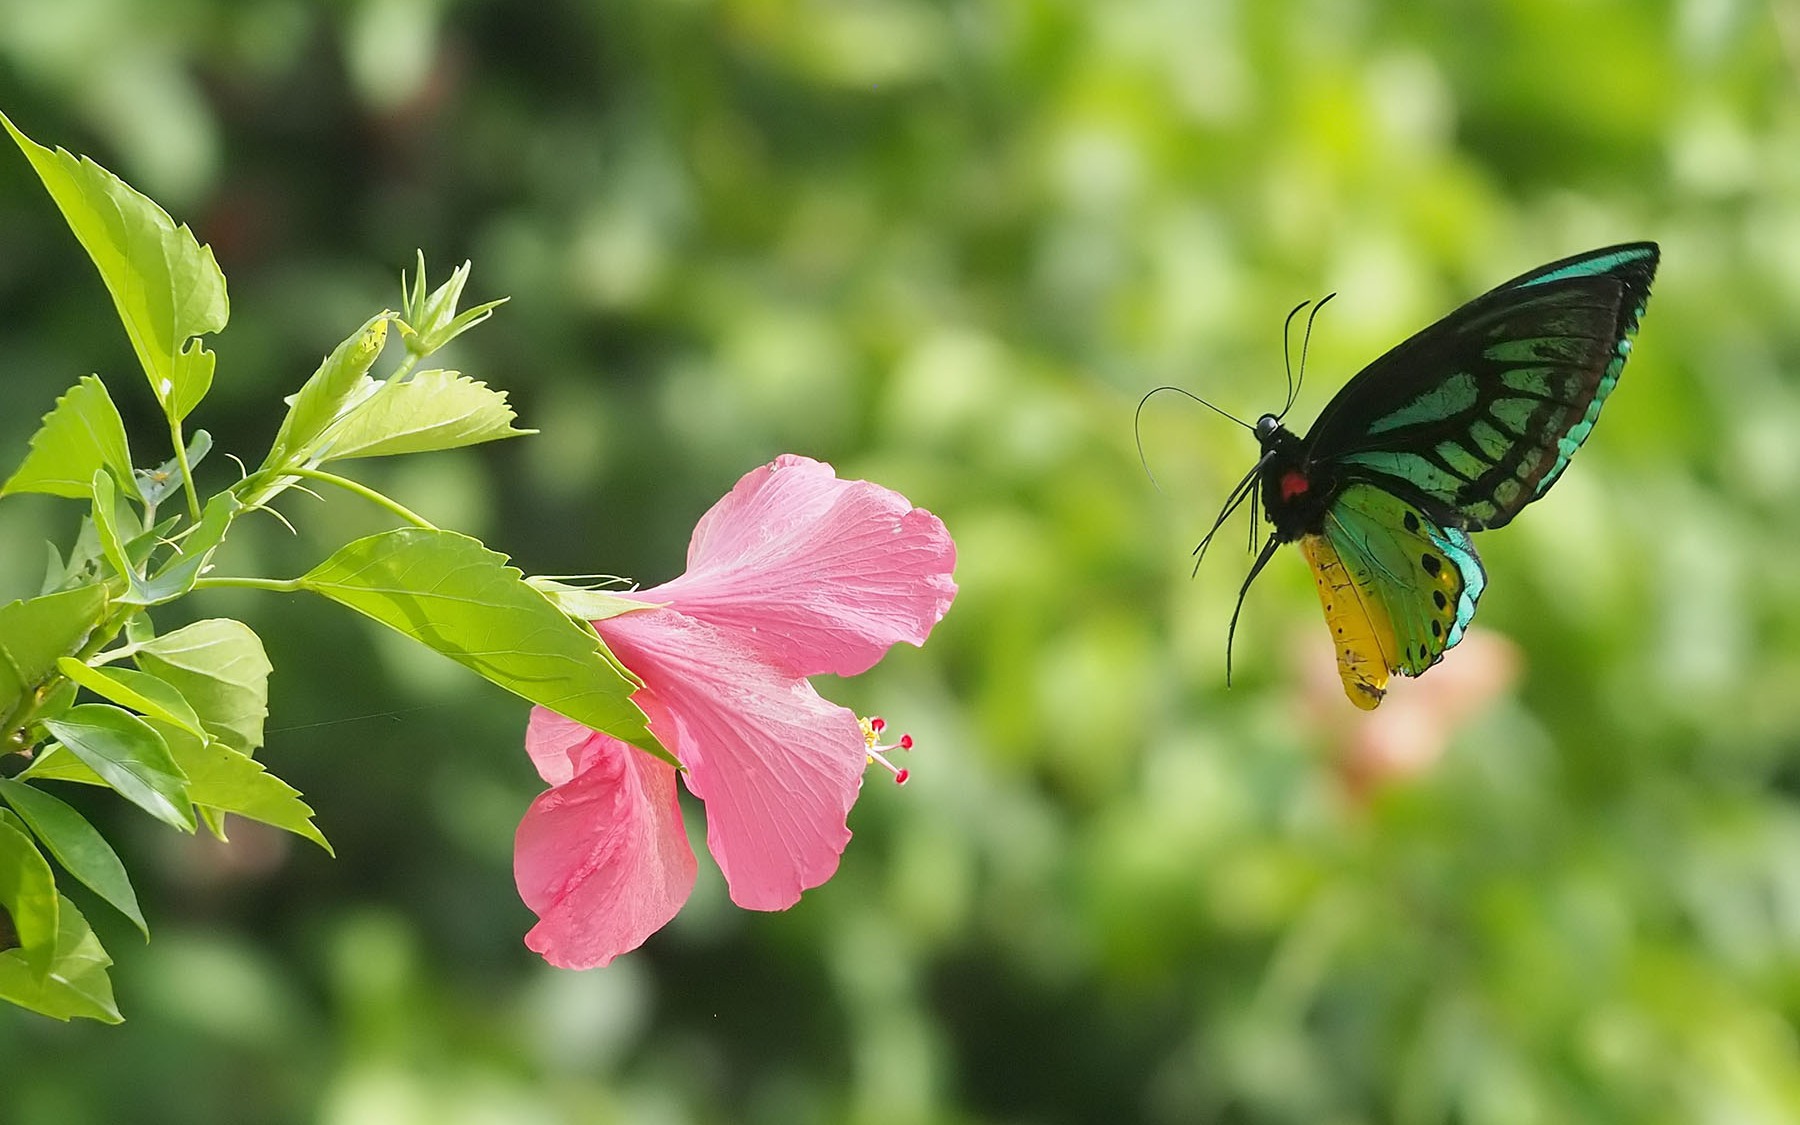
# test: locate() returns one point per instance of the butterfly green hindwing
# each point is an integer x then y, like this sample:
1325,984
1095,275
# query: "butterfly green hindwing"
1478,415
1416,581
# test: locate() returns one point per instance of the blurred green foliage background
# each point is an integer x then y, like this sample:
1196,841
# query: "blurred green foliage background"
947,246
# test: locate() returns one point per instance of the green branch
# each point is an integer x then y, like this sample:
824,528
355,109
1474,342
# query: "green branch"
366,493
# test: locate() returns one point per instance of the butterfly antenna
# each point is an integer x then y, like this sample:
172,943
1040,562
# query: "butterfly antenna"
1287,353
1137,419
1262,560
1305,345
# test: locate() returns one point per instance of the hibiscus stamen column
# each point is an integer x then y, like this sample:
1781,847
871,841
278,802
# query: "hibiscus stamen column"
877,750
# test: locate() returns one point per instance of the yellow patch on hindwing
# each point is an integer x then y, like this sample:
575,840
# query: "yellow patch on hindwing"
1360,629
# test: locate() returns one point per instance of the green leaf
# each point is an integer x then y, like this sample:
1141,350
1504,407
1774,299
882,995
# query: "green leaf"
585,603
56,763
193,553
130,756
221,780
429,322
432,410
139,691
218,665
35,633
106,524
81,435
77,846
158,484
166,286
77,984
325,395
28,892
450,593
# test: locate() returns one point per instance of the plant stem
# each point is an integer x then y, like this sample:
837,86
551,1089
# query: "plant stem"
187,471
366,493
279,585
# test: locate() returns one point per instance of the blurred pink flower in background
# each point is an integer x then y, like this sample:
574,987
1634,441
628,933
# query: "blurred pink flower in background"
1409,732
794,573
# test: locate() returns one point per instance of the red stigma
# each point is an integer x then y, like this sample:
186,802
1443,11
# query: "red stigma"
906,742
878,724
1294,483
900,778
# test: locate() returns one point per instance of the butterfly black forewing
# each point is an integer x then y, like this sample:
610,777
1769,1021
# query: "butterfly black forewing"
1477,415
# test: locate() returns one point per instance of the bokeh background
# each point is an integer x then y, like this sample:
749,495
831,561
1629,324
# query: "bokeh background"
948,246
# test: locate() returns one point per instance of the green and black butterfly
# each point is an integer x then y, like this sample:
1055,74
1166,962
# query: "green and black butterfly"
1452,431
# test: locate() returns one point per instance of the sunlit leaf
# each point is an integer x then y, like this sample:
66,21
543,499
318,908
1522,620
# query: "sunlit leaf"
585,603
326,393
76,845
82,434
219,667
166,286
221,780
140,691
130,756
430,411
76,985
450,593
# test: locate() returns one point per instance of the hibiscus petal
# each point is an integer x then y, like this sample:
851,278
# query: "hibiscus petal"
777,766
818,574
559,747
602,859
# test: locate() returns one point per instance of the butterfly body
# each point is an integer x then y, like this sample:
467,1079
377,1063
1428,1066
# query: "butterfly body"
1455,430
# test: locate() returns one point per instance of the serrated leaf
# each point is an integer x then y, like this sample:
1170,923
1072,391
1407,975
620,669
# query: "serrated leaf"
433,410
130,756
77,845
166,286
451,594
219,667
81,434
77,984
326,393
28,892
224,781
220,781
35,633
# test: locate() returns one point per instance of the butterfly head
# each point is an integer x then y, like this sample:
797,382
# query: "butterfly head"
1266,428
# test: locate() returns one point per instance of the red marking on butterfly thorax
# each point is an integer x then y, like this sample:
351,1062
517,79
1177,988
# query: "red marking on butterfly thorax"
1294,483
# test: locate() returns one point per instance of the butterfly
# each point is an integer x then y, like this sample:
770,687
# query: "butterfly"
1453,431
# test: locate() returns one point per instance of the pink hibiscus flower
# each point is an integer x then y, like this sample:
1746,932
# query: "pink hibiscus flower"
792,574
